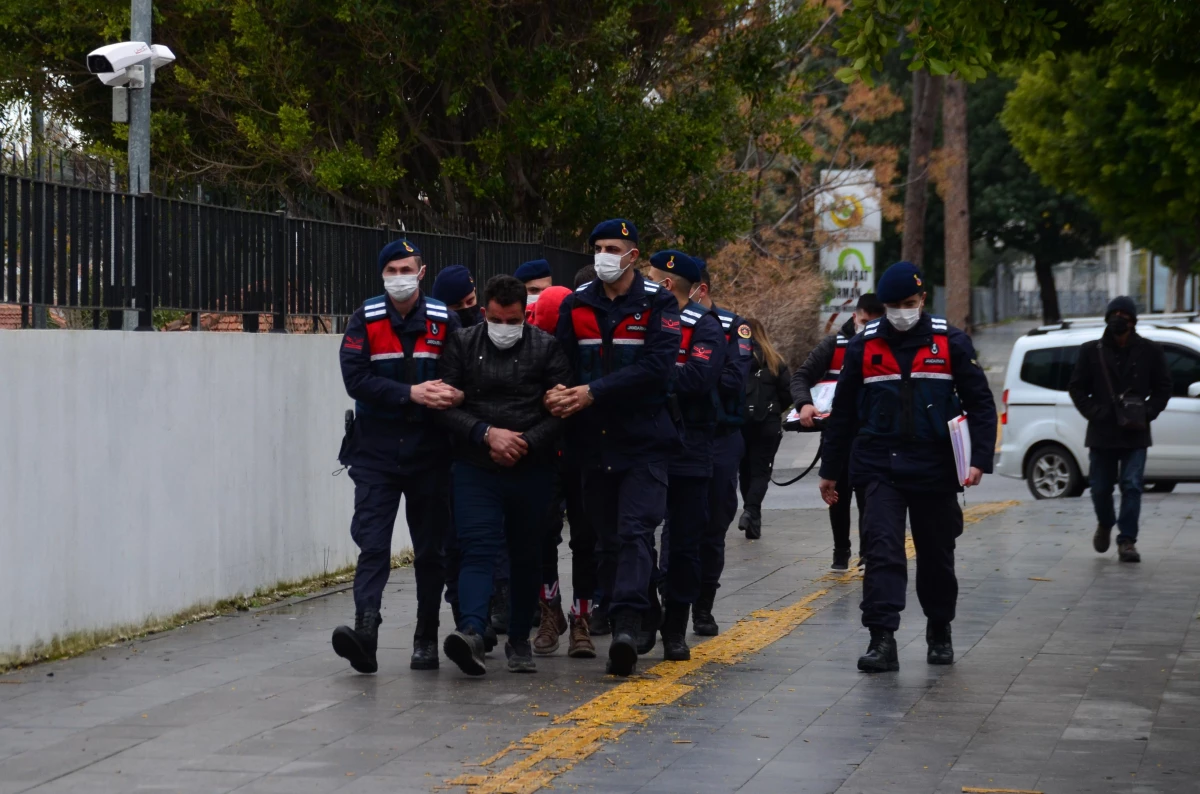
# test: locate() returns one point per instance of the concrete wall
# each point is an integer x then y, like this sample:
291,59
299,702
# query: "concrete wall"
143,474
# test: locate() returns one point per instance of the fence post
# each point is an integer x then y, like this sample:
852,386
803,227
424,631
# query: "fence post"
279,291
475,254
143,266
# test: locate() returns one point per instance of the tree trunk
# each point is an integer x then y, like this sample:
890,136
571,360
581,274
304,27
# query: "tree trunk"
1183,267
927,95
1051,313
958,219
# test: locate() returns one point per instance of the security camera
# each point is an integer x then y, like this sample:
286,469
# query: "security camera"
120,64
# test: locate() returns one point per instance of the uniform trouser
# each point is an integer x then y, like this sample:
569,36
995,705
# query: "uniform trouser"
582,538
494,510
839,513
762,442
625,508
937,521
722,505
376,502
687,518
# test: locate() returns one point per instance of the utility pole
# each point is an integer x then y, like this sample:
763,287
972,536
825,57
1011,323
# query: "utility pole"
140,17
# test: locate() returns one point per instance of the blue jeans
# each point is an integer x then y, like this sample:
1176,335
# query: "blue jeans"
1105,464
492,510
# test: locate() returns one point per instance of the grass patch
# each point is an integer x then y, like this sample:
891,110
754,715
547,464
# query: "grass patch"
76,643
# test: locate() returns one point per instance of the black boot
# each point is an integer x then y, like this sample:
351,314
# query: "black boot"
622,651
941,651
702,617
425,638
499,612
465,648
651,622
489,637
744,521
881,653
357,645
754,530
674,633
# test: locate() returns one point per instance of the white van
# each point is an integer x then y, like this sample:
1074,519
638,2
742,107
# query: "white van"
1042,434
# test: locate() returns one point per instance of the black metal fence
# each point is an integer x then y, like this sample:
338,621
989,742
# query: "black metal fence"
78,247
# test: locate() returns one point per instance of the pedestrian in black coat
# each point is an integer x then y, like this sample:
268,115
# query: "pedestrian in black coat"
767,397
1120,384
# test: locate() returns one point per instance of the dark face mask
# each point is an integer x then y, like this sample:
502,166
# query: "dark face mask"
1118,325
470,316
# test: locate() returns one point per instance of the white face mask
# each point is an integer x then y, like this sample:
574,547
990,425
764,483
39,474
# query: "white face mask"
402,287
532,299
608,267
903,319
504,336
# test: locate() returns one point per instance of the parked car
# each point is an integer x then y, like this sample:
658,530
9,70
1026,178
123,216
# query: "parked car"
1042,434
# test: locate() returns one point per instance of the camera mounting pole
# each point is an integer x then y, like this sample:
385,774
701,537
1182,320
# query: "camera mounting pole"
140,14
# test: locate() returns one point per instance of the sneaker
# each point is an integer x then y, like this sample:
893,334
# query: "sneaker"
520,657
1102,538
841,560
465,649
1127,551
861,564
579,644
545,642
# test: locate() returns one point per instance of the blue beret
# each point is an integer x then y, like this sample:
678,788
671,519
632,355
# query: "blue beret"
677,263
453,284
537,268
397,249
898,282
615,229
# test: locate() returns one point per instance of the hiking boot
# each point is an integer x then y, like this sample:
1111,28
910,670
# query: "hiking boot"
674,633
1127,551
651,622
552,624
937,637
465,649
599,624
1102,538
425,653
622,651
703,622
498,611
520,656
579,645
841,561
357,645
881,653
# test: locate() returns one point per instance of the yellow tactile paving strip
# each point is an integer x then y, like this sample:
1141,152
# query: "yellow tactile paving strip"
578,734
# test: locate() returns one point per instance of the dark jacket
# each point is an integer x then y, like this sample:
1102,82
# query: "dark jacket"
697,372
629,423
411,441
503,388
1139,368
767,395
908,463
813,370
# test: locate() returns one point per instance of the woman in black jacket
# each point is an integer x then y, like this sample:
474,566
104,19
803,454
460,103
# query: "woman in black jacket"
767,397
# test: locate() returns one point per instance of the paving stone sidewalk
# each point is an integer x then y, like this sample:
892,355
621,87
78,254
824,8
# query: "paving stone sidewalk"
1075,674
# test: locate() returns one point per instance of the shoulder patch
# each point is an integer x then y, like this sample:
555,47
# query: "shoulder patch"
744,331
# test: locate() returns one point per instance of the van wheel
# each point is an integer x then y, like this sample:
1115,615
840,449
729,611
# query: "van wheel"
1161,486
1052,473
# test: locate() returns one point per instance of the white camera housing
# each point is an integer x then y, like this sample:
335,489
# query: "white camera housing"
120,64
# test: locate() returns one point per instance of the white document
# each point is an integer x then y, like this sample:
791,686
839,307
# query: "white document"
822,395
960,439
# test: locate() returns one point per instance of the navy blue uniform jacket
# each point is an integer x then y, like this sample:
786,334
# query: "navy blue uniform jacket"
400,446
908,463
696,382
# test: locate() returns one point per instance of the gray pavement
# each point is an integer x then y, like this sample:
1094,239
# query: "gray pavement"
1075,674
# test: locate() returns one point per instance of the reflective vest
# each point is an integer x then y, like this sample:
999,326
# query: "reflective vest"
731,410
388,359
913,405
696,410
839,355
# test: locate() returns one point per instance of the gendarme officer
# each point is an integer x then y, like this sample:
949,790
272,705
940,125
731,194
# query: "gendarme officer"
389,356
903,378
